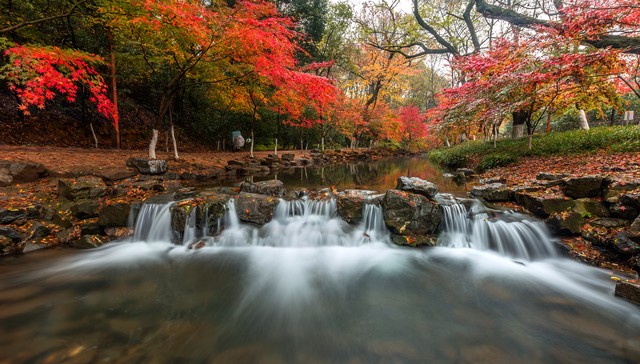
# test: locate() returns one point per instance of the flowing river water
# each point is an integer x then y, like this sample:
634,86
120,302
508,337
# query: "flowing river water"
309,288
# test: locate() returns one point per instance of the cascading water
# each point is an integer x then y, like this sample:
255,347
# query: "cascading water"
153,223
307,287
511,234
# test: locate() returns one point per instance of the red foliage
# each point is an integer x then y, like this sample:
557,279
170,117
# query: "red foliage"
36,74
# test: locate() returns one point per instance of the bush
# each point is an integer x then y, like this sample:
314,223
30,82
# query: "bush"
496,160
507,151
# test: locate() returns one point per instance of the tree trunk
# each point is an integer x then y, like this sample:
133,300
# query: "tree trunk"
251,154
275,150
175,144
322,143
530,140
548,130
114,91
152,145
519,120
495,136
93,133
582,118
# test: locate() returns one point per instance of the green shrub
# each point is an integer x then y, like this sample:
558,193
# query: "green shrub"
507,151
496,160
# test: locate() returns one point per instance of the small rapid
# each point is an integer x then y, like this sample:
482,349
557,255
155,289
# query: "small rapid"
308,287
508,233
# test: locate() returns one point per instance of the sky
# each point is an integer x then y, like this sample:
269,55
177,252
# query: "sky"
404,5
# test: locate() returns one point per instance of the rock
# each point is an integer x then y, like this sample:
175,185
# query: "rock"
351,203
304,161
289,157
236,162
81,188
410,214
414,240
623,211
11,215
618,187
466,171
525,189
634,229
38,231
197,245
272,187
629,291
589,207
114,215
609,222
543,206
631,199
10,233
493,192
148,166
255,208
57,217
546,176
12,172
116,174
90,227
9,247
118,232
89,242
417,185
621,244
85,209
566,223
586,186
486,181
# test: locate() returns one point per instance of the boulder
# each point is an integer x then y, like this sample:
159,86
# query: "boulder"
85,209
12,172
255,208
621,244
585,186
82,188
631,199
589,207
57,217
565,223
289,157
410,214
623,211
38,231
236,162
634,229
351,204
10,233
118,232
543,205
547,176
9,247
148,166
609,222
246,171
89,242
272,187
629,291
618,187
466,171
304,161
493,192
10,215
114,215
417,185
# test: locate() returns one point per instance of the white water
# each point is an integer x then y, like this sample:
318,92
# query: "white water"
508,233
307,287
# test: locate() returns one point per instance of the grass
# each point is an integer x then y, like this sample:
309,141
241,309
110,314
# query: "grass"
482,155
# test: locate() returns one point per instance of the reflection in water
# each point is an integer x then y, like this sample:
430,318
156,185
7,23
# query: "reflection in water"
378,175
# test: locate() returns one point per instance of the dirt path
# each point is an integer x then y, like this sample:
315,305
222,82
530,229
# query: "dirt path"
64,160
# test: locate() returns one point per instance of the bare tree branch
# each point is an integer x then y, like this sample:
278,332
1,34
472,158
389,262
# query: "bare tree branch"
41,20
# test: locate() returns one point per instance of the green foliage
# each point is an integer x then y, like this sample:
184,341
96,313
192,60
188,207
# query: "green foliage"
613,139
496,160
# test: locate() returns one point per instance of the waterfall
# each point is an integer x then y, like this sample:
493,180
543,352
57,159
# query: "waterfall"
509,233
305,207
153,223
